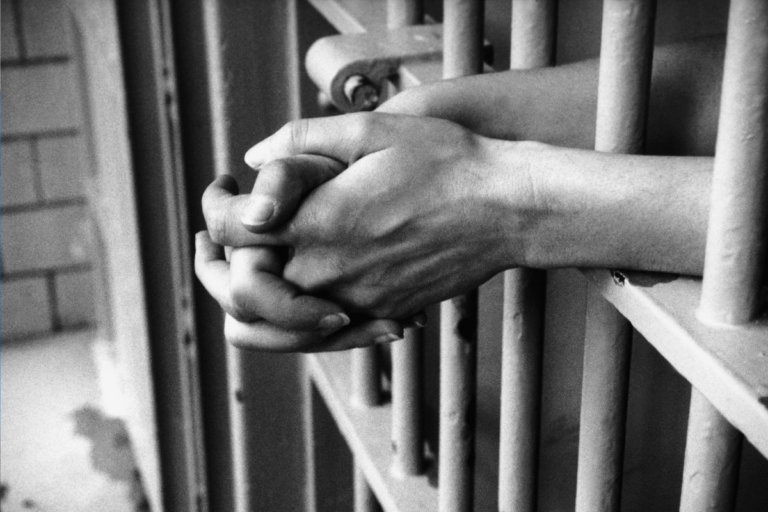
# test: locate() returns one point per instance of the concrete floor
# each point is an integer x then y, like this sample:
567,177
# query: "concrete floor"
58,450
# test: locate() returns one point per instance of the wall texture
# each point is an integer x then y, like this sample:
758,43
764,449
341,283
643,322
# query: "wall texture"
46,255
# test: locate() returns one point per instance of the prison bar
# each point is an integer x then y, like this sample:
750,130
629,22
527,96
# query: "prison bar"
736,243
366,381
626,51
364,499
532,46
462,47
407,443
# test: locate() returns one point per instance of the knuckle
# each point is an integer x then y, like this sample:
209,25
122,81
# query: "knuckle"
295,134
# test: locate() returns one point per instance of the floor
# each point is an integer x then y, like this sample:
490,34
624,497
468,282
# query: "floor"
58,450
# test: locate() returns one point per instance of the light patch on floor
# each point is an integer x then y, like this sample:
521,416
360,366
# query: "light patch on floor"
58,450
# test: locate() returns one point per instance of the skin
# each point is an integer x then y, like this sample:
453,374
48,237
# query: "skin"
384,214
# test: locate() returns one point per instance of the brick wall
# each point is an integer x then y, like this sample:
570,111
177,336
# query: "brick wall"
46,257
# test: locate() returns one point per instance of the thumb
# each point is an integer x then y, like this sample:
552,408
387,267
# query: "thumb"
281,185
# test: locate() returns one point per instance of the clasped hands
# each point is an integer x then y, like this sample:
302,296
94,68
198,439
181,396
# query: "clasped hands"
354,225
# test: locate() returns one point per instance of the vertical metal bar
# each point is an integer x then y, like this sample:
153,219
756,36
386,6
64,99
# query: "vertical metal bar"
407,445
364,499
736,243
402,13
462,55
522,333
533,34
532,46
624,79
366,381
712,455
238,426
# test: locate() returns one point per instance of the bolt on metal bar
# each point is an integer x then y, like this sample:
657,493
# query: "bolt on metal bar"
532,46
462,56
734,267
407,443
366,381
712,456
626,52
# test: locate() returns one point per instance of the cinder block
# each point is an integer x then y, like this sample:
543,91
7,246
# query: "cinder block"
40,98
62,166
17,180
74,299
25,307
45,239
9,46
46,28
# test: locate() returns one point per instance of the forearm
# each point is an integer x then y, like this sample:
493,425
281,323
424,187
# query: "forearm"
603,210
558,105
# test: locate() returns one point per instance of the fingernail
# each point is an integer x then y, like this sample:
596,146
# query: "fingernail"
420,319
258,210
387,338
333,322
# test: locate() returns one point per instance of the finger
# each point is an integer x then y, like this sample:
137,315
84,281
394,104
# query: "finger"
365,334
262,335
211,268
415,321
281,185
223,209
345,138
258,291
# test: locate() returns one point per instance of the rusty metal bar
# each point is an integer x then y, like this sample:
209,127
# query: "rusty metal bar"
366,381
712,456
532,46
625,69
364,499
734,266
462,56
407,443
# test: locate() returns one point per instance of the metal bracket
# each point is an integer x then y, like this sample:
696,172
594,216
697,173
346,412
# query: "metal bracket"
351,69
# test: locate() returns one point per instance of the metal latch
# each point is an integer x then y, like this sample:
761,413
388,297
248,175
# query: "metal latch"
351,69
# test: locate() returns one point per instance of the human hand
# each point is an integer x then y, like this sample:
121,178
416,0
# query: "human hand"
415,219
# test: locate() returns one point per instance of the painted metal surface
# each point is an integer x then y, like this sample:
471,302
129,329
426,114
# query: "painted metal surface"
734,267
463,32
624,80
712,456
366,379
532,46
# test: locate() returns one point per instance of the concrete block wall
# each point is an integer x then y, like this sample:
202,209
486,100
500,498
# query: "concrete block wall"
46,271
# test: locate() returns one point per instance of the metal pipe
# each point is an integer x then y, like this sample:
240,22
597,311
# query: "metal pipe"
626,53
532,46
462,55
458,376
364,499
712,456
407,445
403,13
238,428
734,267
522,333
462,38
533,34
366,381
